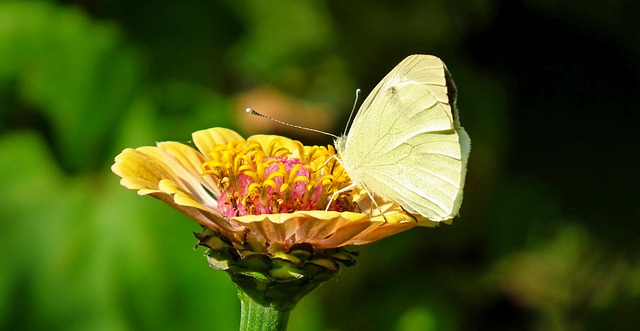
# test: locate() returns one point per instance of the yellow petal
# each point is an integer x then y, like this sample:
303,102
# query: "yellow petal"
186,162
139,170
205,140
168,173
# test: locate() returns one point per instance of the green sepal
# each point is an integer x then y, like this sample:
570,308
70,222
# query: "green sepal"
274,276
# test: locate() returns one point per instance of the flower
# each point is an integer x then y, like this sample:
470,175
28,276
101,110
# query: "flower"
266,186
272,209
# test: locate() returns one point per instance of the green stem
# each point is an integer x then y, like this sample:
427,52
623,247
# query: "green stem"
256,317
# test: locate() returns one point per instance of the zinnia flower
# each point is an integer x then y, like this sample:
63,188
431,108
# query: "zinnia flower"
263,205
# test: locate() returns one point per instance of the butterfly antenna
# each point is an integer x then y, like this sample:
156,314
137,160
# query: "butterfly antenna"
353,109
253,112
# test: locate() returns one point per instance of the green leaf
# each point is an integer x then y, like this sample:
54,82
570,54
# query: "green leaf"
78,73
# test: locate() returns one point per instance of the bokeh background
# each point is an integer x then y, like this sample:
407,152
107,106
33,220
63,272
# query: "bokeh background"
548,91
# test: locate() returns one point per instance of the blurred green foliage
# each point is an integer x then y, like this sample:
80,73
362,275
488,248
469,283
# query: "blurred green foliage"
548,234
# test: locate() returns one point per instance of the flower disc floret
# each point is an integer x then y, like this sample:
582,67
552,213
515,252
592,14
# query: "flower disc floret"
254,180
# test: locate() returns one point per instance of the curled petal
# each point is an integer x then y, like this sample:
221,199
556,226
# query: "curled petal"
164,173
322,229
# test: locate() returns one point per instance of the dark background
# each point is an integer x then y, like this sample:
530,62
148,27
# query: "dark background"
548,92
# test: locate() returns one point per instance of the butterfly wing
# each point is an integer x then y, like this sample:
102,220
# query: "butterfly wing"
405,143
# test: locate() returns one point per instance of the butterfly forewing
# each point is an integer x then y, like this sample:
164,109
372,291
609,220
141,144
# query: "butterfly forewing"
403,144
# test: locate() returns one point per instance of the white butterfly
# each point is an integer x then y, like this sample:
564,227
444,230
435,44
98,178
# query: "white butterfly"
406,144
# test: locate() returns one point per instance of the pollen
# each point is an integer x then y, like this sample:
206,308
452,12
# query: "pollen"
270,176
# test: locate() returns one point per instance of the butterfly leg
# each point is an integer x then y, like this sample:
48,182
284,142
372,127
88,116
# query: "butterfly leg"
350,187
338,192
373,200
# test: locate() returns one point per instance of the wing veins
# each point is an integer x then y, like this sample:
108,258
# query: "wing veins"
438,204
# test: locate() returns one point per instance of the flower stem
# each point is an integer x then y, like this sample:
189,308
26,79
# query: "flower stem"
256,317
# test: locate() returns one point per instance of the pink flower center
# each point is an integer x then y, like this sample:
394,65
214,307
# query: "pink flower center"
284,189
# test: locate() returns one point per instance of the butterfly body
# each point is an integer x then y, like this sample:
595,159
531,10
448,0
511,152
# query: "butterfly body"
406,143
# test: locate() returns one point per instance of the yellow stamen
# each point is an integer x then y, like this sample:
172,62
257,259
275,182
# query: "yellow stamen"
247,164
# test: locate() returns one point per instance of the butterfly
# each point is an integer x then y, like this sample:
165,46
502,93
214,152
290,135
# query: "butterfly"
406,143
